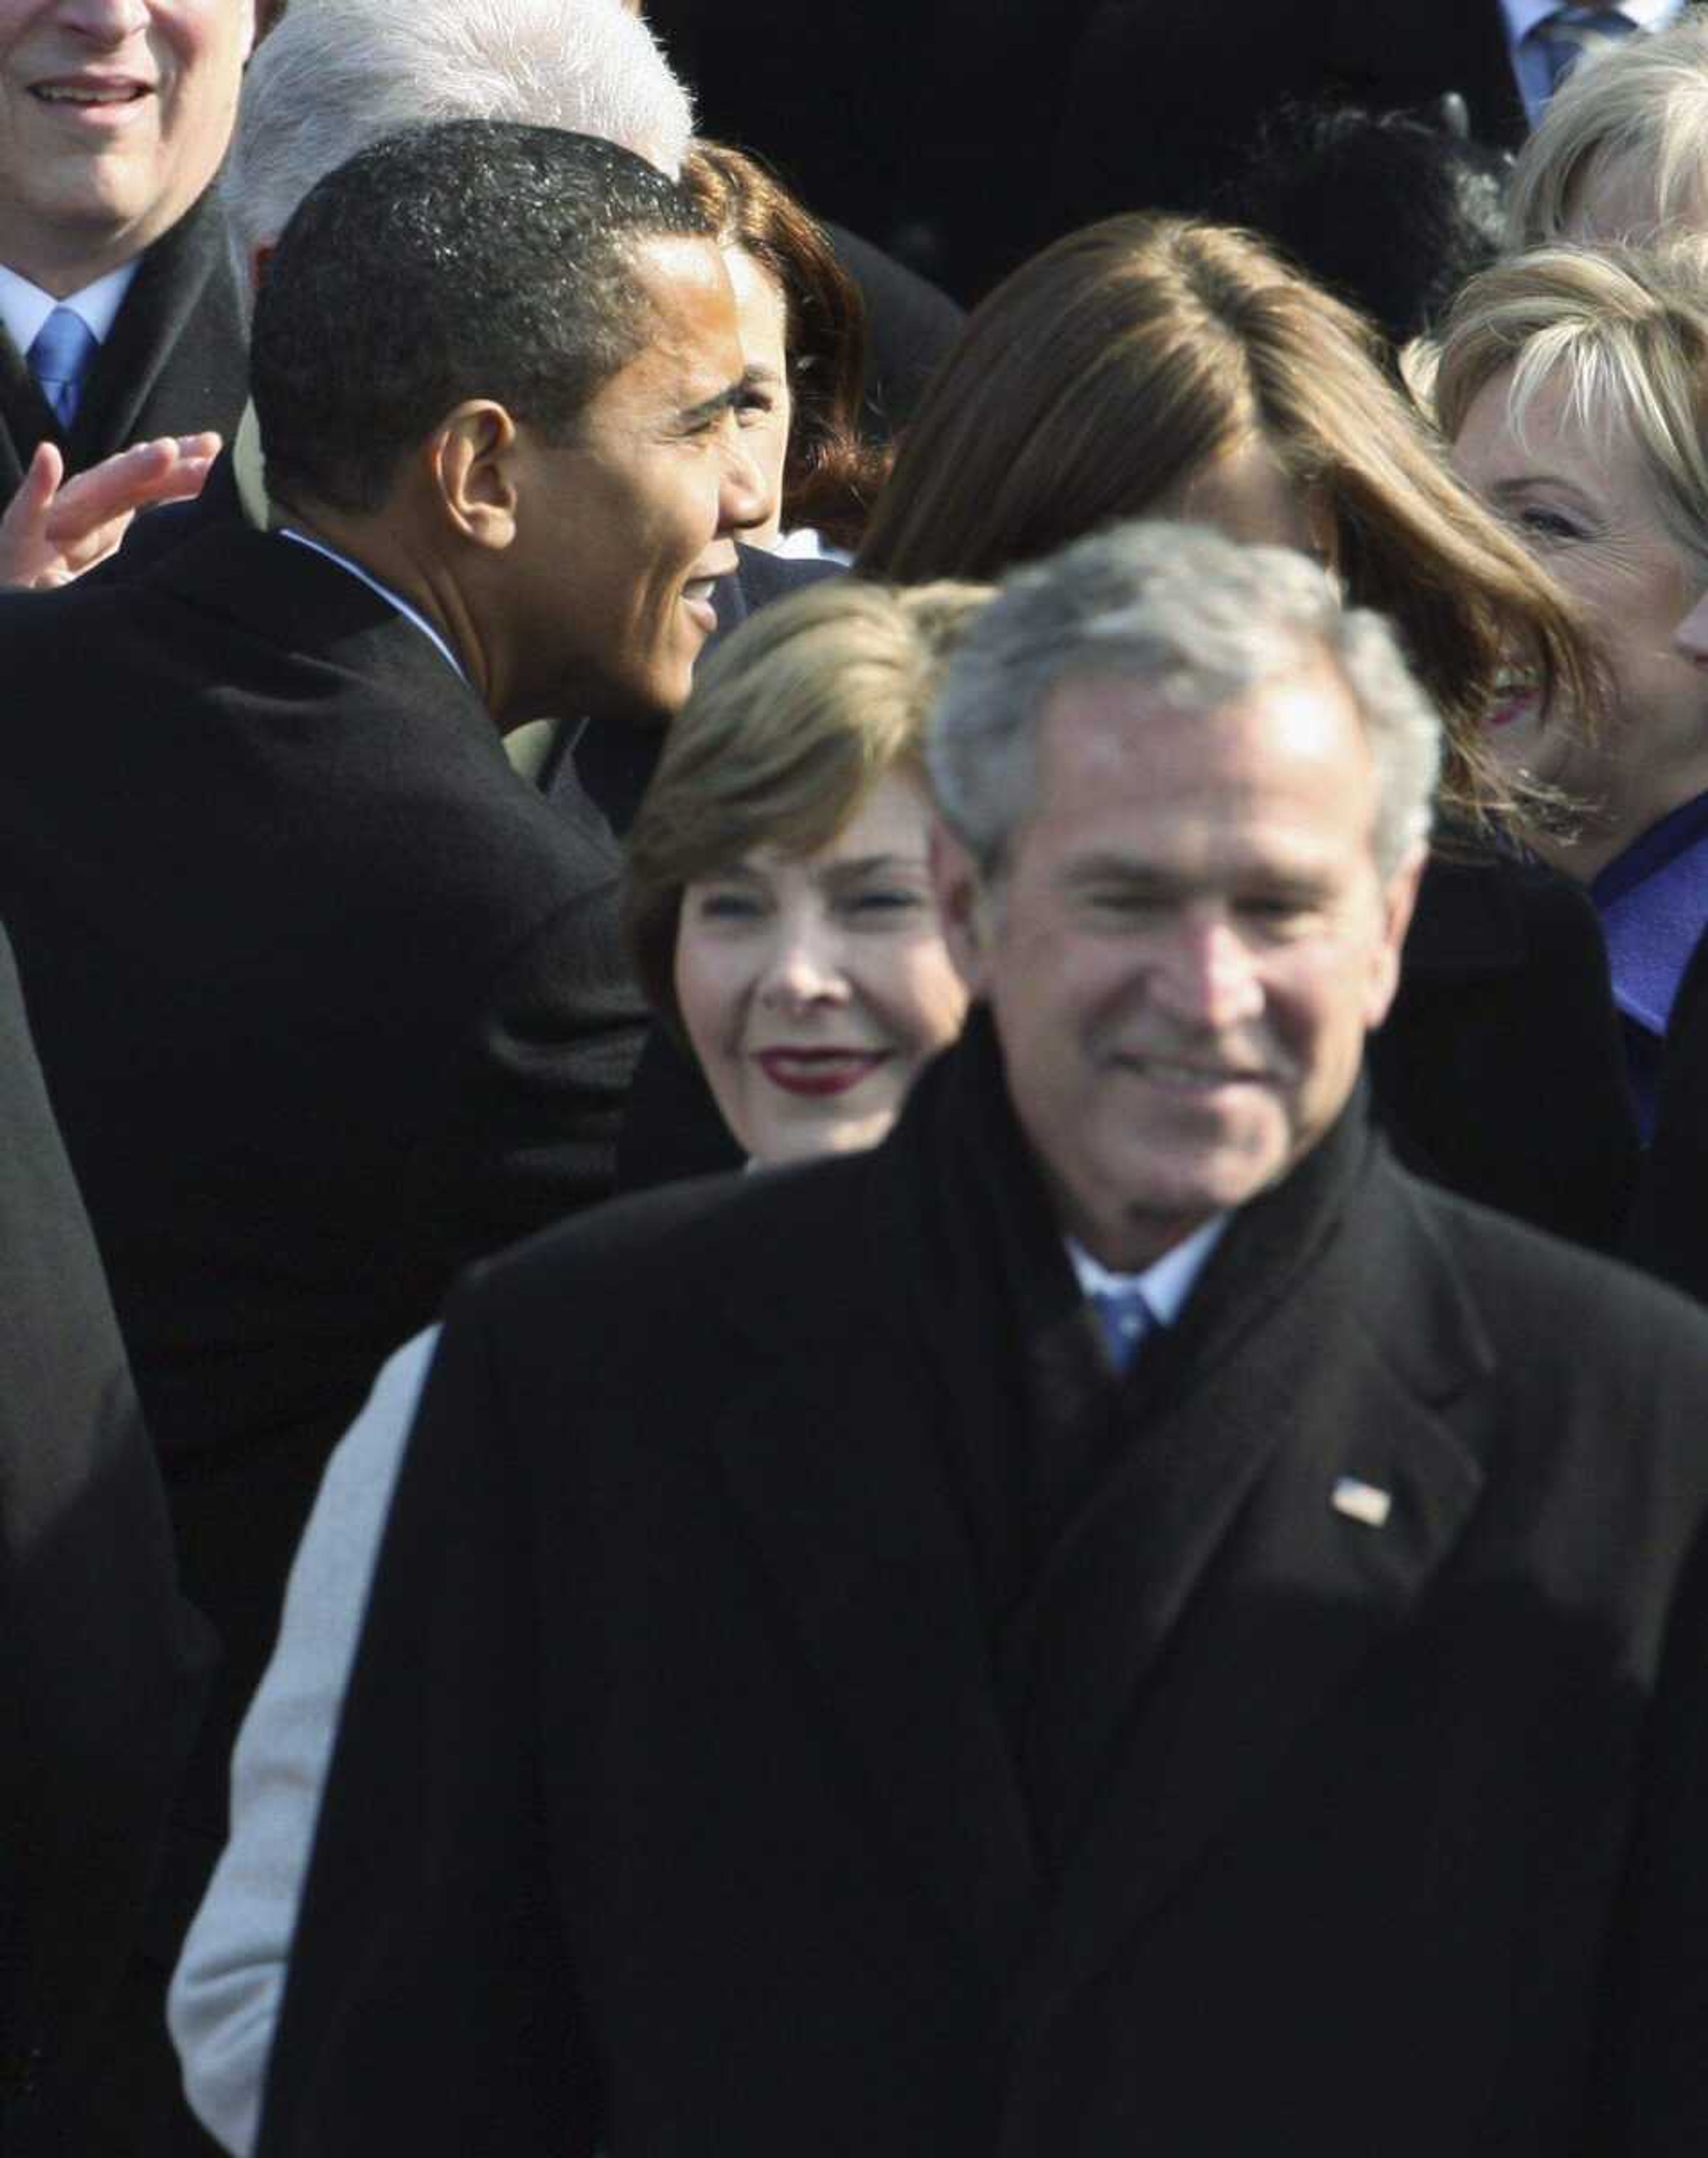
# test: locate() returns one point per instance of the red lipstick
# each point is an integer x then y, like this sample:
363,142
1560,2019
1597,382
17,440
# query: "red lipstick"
822,1072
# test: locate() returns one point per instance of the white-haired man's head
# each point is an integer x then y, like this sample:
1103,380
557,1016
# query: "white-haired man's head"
336,75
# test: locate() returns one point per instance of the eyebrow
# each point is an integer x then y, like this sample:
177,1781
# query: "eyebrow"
725,400
1519,483
862,865
1296,881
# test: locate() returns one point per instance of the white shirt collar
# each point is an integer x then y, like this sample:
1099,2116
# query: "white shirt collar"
1522,16
1166,1283
391,598
24,307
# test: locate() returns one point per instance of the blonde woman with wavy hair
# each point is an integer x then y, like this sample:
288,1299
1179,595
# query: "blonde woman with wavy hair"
1575,386
1618,154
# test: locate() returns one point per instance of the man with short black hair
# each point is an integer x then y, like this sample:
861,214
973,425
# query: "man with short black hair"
1103,1625
330,1001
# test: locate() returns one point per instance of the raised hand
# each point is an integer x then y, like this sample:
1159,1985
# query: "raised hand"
55,528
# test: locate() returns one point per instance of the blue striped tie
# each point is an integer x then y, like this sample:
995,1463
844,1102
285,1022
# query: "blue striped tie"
58,359
1569,33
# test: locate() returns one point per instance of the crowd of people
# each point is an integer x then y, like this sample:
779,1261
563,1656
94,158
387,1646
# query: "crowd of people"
856,1191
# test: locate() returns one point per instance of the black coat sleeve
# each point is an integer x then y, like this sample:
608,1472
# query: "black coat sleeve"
429,2006
102,1669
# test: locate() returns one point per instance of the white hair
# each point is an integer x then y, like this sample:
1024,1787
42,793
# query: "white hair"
1638,108
336,75
1200,619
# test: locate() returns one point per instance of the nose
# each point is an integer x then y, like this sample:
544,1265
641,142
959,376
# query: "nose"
1207,976
106,22
746,497
1691,636
801,967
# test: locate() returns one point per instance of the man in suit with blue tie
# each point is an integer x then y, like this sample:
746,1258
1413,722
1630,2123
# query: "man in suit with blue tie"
1118,1621
119,318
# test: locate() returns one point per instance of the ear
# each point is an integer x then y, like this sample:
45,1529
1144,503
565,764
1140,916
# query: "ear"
1399,900
963,906
473,462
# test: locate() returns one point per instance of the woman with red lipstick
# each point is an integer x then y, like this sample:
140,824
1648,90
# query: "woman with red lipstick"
780,906
1151,366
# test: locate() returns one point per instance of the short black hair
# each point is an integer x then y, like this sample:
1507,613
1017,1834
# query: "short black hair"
470,258
1390,211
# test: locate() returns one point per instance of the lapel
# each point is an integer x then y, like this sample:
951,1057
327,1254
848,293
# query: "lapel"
185,269
152,329
1267,1598
26,414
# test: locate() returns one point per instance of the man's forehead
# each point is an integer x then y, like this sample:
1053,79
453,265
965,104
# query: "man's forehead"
1304,707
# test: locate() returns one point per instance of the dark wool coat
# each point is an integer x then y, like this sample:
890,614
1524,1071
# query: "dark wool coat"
757,1746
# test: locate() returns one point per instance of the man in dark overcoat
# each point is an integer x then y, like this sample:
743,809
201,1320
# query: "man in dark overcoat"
1119,1621
330,999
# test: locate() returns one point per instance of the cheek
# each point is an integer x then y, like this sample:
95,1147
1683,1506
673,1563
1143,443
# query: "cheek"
712,985
936,997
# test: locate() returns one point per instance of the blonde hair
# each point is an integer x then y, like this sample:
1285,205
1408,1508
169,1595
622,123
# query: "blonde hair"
1624,332
789,726
1642,103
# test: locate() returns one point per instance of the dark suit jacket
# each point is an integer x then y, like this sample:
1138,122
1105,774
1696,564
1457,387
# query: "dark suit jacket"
1164,102
176,361
688,1798
1500,1071
102,1670
329,1000
1669,1231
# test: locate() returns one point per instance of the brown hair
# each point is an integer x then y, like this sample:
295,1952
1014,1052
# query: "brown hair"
831,475
1108,371
791,724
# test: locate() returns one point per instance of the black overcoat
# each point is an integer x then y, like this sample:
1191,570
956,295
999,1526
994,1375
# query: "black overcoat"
692,1793
330,1003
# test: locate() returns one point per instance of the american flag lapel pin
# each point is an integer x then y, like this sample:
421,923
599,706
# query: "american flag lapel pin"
1360,1502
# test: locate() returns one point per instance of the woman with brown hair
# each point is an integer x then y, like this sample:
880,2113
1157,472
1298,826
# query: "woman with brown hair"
803,334
1153,366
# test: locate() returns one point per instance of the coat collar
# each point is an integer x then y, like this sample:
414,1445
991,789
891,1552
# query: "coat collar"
174,276
1217,1540
311,611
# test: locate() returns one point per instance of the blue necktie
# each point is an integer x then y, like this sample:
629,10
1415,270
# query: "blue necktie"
1569,33
1126,1319
59,358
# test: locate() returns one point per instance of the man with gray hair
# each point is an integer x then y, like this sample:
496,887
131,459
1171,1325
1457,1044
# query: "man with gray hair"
1103,1624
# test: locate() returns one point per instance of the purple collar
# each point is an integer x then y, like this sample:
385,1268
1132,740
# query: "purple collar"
1653,901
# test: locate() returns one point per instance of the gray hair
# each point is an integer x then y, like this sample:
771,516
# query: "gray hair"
1197,618
1642,103
336,75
